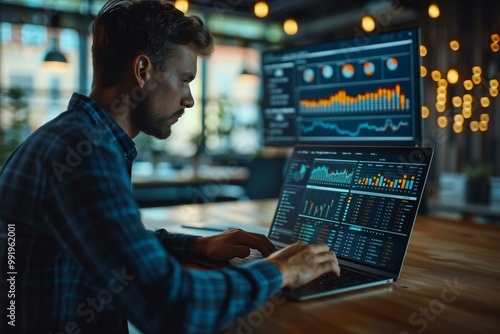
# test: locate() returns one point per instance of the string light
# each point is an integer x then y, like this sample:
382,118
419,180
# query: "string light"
457,101
458,128
423,71
423,51
452,76
468,84
442,121
454,45
436,75
483,126
425,112
459,119
434,11
485,118
476,79
485,101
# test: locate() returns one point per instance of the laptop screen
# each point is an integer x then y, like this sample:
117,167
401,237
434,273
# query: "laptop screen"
361,201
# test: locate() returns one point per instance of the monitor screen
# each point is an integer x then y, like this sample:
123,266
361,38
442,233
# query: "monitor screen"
364,90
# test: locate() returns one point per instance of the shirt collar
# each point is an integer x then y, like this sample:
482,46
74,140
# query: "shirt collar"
102,118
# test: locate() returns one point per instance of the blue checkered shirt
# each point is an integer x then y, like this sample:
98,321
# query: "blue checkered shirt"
80,259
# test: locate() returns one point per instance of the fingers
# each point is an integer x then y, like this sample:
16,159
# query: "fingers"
238,251
252,240
301,263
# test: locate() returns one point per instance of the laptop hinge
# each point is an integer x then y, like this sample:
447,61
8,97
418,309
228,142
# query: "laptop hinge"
367,270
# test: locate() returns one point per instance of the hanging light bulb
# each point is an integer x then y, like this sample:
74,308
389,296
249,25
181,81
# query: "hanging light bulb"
290,27
368,23
261,9
54,60
182,5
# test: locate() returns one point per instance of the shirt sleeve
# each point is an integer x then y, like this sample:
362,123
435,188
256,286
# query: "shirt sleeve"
179,245
98,223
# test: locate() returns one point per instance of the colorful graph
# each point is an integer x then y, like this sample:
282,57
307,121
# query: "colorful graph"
308,75
318,210
369,68
383,99
327,71
388,125
405,182
299,174
392,64
347,71
325,175
320,204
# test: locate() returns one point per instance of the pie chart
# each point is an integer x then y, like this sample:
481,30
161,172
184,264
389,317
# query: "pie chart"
299,175
392,64
308,75
369,68
327,71
347,71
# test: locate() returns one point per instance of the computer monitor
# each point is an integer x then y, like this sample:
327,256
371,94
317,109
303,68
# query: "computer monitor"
365,90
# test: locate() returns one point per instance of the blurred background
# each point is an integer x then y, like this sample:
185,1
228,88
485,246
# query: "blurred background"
459,55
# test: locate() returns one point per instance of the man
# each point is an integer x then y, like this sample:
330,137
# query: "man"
82,261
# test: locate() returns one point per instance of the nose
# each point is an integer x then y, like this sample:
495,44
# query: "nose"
187,100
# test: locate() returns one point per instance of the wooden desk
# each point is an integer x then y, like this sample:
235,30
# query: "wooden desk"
202,175
449,284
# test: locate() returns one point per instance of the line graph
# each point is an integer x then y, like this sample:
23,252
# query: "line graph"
332,172
324,174
387,126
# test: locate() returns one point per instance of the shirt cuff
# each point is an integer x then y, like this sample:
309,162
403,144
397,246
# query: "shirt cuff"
266,272
179,245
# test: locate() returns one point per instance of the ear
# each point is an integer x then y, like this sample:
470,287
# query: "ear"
141,67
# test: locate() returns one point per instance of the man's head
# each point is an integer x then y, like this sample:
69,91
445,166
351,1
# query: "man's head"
153,46
125,29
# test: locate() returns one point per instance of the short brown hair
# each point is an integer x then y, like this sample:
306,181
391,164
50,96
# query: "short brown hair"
125,29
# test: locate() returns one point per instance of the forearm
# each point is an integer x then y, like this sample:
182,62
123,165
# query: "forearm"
217,298
182,246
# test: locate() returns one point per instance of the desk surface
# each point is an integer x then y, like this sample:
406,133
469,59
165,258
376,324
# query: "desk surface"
449,284
188,176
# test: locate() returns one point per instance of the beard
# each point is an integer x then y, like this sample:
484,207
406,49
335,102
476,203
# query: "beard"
150,123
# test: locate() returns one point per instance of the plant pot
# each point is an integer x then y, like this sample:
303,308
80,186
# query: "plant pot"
477,191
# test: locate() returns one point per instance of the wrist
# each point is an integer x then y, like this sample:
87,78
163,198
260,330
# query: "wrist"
199,247
282,269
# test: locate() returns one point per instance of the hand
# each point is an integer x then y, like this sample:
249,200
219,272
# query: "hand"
301,263
234,243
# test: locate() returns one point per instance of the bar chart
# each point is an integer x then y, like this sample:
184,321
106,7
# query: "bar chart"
341,102
400,178
379,180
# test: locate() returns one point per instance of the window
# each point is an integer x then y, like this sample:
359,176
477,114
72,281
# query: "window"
232,108
21,66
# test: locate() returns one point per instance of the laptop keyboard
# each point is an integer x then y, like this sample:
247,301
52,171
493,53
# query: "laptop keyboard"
347,277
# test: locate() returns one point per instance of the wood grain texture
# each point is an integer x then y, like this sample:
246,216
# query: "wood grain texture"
450,282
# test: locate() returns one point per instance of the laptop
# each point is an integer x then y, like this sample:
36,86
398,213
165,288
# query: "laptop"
361,201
